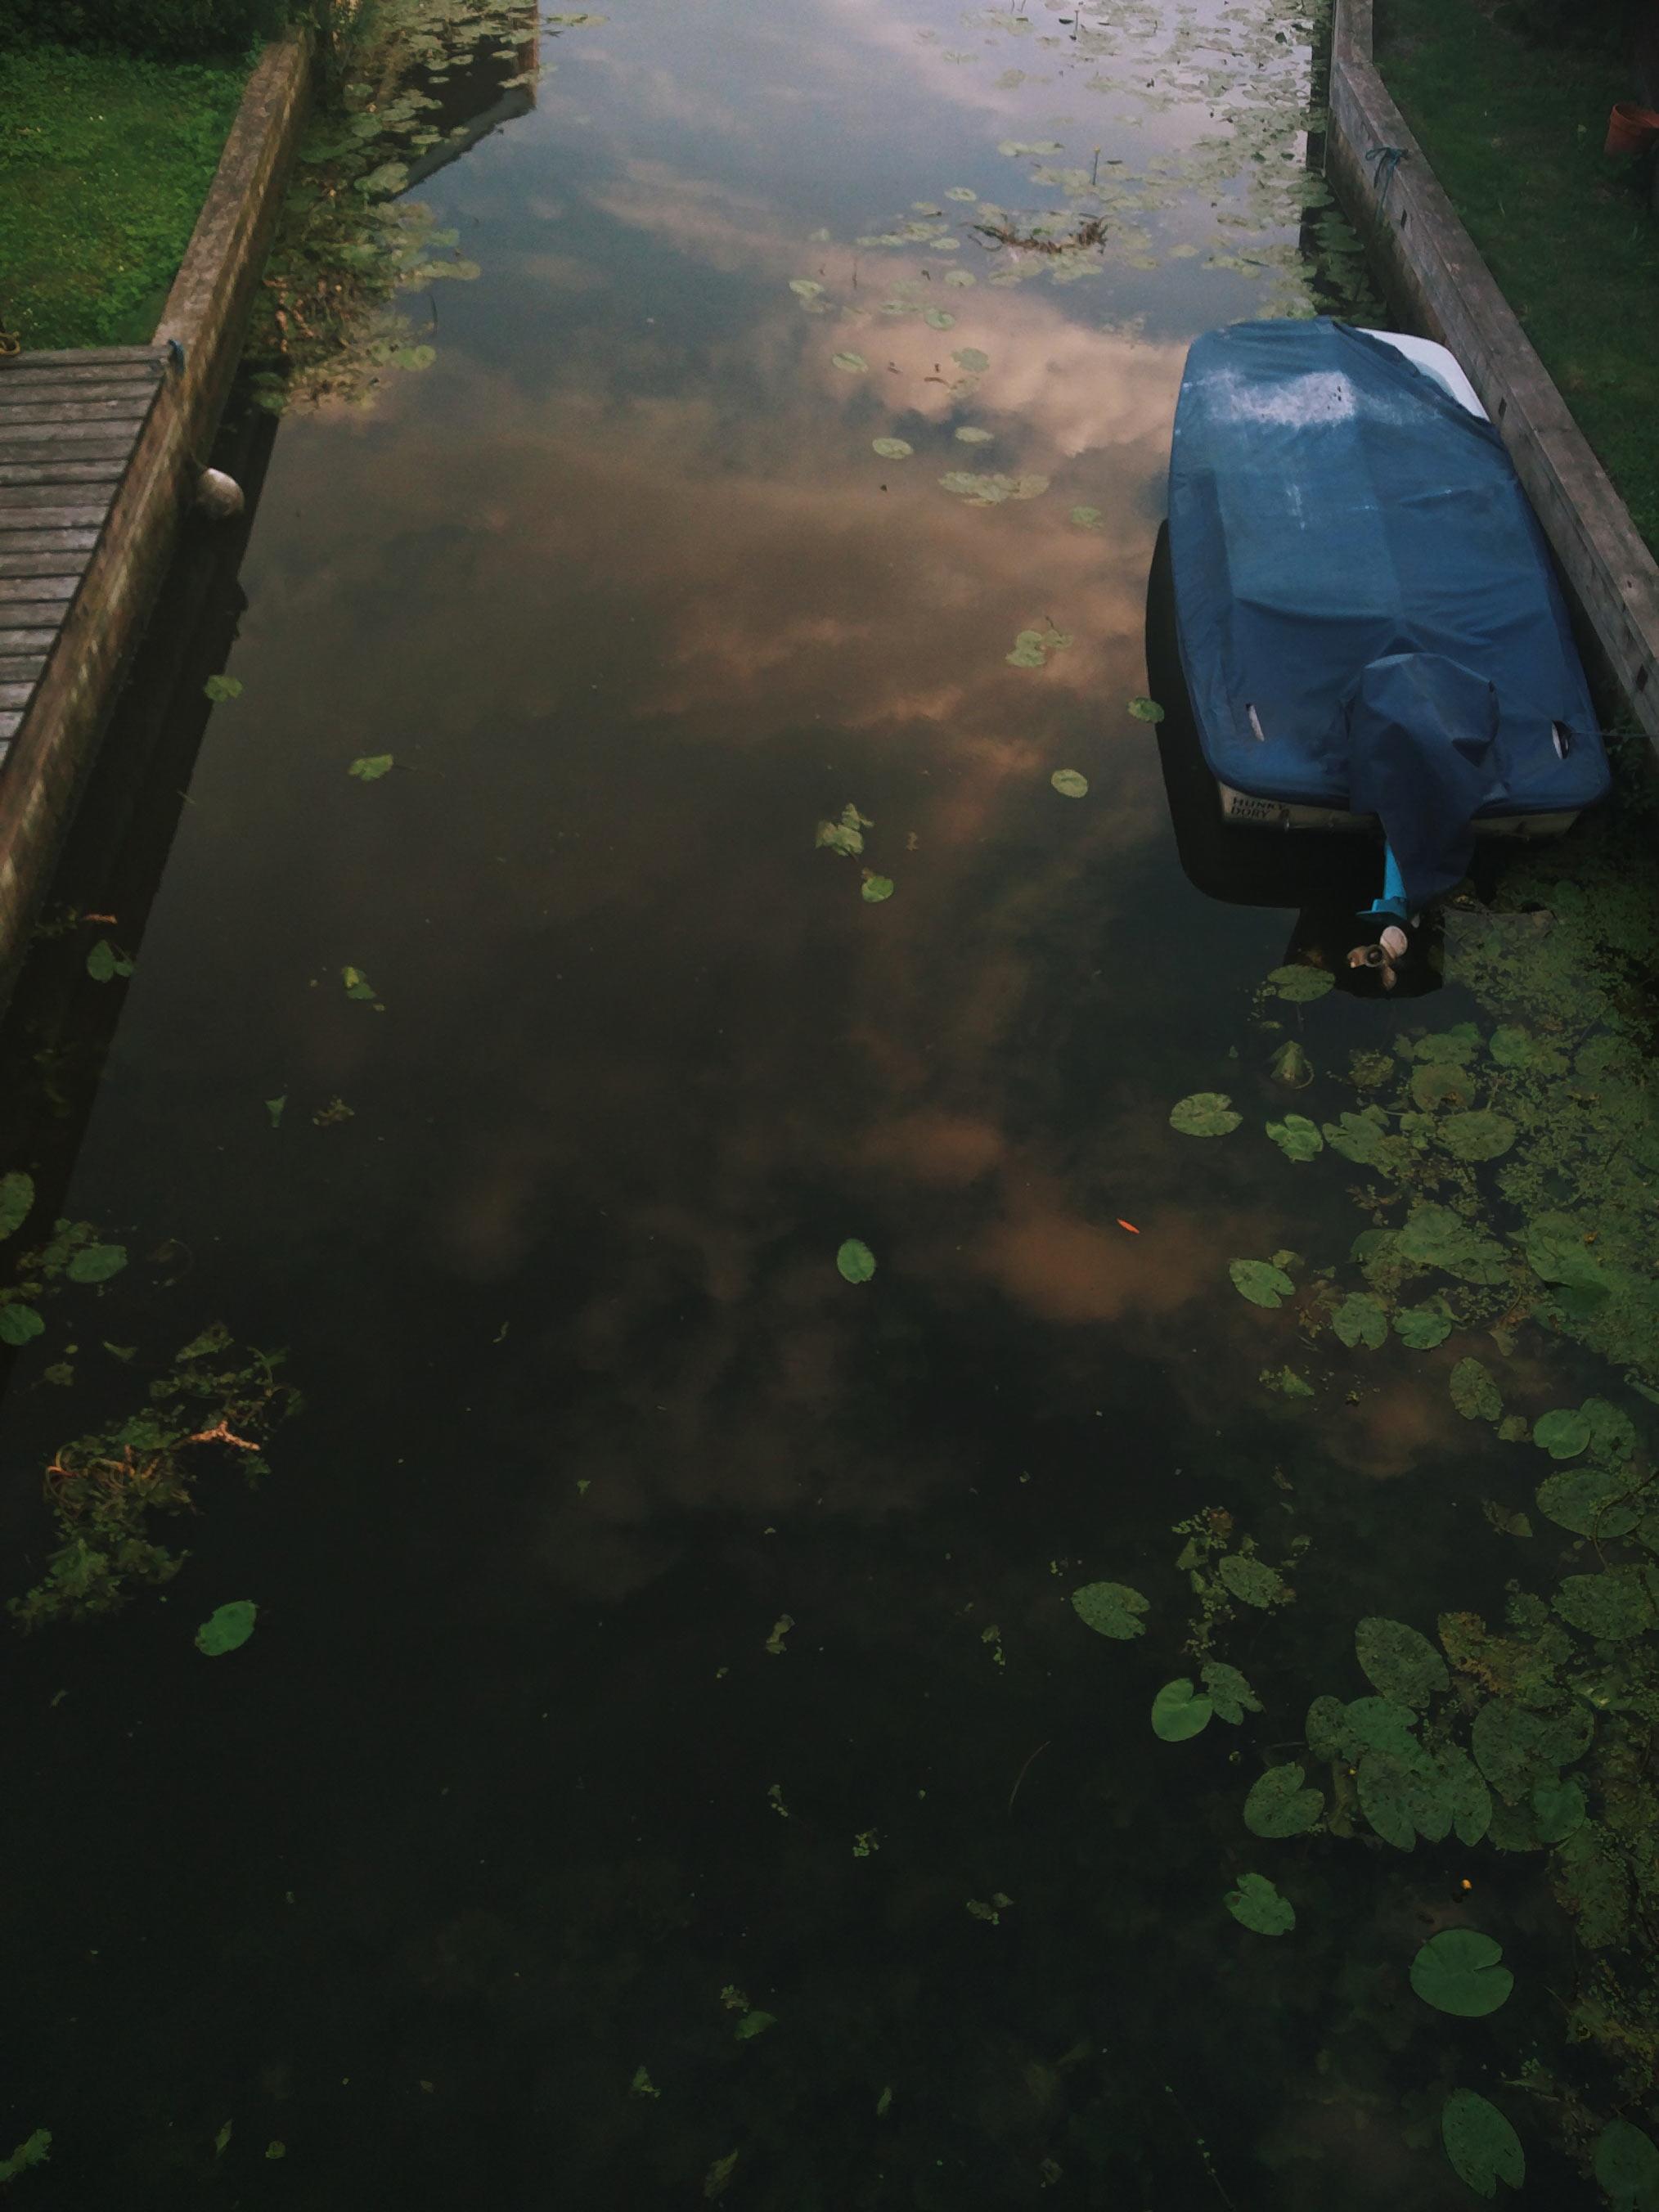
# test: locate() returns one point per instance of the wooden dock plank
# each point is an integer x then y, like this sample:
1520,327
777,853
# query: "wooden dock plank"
75,441
34,520
37,591
14,416
107,471
19,667
37,566
15,640
48,541
14,498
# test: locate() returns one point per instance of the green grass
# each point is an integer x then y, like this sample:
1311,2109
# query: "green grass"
103,165
1514,133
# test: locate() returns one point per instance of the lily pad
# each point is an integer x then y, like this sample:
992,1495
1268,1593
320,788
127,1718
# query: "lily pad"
1359,1137
1382,1724
1564,1433
1205,1113
1435,1237
971,435
892,449
1614,1605
855,1261
1252,1581
1069,782
1422,1327
1256,1905
1297,1137
1401,1662
1086,518
853,363
227,1628
1278,1804
971,359
371,767
1611,1431
1111,1608
1516,1749
19,1323
1403,1798
96,1263
938,318
1328,1731
1260,1282
753,2024
1301,986
875,888
357,984
1146,710
1435,1084
1558,1810
1628,2167
1361,1319
1511,1046
1473,1392
105,964
16,1198
221,687
1557,1253
1482,2146
1229,1692
1482,1136
1457,1971
1591,1501
1456,1045
1179,1711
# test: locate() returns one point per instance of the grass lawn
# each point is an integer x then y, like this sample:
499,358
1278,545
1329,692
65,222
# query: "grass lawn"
103,165
1515,134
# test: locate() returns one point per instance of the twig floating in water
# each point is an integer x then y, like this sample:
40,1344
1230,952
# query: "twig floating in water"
1024,1771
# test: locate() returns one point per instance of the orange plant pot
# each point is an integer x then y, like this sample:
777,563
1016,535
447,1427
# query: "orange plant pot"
1630,129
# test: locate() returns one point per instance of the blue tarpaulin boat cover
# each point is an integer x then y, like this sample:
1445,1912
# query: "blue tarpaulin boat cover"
1367,614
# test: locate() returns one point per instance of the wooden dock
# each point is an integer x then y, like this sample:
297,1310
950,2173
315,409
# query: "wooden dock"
69,423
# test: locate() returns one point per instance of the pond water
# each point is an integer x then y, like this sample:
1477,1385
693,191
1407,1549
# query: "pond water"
668,1763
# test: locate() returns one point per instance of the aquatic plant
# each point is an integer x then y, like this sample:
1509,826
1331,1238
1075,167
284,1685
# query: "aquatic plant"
104,1488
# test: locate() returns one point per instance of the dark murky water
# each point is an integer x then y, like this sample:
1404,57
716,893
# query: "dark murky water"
453,1881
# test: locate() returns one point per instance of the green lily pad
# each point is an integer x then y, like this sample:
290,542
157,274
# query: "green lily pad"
1086,518
1359,1137
1287,1382
221,687
875,888
1422,1328
1205,1113
1471,1800
970,435
96,1263
1482,1136
1252,1581
1178,1711
855,1261
1278,1805
19,1321
1146,710
227,1628
1457,1971
1071,783
1260,1282
1301,986
1400,1662
1404,1797
1361,1319
1557,1253
16,1198
1474,1393
1614,1605
1256,1905
1297,1137
1111,1608
1435,1237
1564,1433
1628,2167
892,449
1482,2146
1327,1732
1516,1749
1456,1045
1591,1501
1558,1810
1229,1692
1511,1046
971,359
357,984
853,363
1611,1431
1381,1725
372,767
753,2024
105,964
938,318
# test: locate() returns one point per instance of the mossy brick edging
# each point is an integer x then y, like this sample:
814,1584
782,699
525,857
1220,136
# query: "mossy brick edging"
189,368
1429,262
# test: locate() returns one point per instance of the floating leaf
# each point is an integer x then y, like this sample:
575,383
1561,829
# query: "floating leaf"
1558,1809
96,1263
1278,1805
221,687
1628,2167
1260,1282
1562,1434
1178,1711
1471,1800
1402,1663
1482,2146
1146,710
1481,1136
1614,1605
1435,1237
753,2024
1394,1793
227,1628
1512,1047
1361,1319
1086,518
1457,1971
1205,1113
1069,782
1301,986
16,1198
1111,1608
939,318
1382,1724
1422,1327
1473,1392
971,359
855,1261
1297,1137
274,1108
960,192
36,2152
1591,1501
1287,1382
19,1321
1359,1137
970,435
371,767
1328,1731
1252,1581
892,449
1556,1252
1437,1084
357,984
805,287
854,363
1229,1692
845,836
1032,648
877,888
103,964
1516,1749
1257,1905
